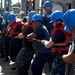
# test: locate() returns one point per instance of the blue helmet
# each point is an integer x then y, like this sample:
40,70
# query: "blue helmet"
5,15
11,17
37,17
69,19
31,13
47,4
56,15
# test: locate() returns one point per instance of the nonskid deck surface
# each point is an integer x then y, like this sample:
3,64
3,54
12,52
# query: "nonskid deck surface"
5,68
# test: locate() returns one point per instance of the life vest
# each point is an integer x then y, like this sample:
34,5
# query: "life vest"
11,29
27,25
68,39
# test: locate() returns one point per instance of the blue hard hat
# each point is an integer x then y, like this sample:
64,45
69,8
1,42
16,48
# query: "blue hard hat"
47,4
56,15
69,19
11,17
31,13
5,15
37,17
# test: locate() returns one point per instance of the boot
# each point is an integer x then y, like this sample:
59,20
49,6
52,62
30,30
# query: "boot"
2,54
6,59
13,68
69,58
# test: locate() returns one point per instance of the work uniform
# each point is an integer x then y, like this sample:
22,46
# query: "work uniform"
25,56
2,40
49,26
42,53
12,45
46,20
60,36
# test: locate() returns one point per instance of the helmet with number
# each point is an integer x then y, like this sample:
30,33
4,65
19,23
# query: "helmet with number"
69,19
11,17
5,15
37,17
56,15
47,4
31,13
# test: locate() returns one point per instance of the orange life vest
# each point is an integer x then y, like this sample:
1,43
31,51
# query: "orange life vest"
68,39
27,25
11,29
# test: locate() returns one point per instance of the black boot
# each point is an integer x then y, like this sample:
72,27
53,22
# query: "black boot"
6,59
2,55
13,68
